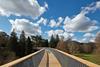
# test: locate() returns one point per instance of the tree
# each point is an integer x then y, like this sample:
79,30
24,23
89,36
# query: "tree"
62,45
22,44
29,46
13,43
46,43
73,47
38,40
97,41
3,39
52,42
56,40
6,56
87,47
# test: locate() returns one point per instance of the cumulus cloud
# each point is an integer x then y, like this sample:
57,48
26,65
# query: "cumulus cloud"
88,37
80,23
23,24
54,23
60,20
22,7
54,32
86,40
92,7
46,5
66,35
61,34
67,20
42,21
1,30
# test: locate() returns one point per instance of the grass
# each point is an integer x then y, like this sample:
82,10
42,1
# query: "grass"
90,57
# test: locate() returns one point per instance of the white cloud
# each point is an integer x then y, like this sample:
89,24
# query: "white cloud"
92,7
24,24
80,23
87,40
61,34
54,32
1,30
98,4
98,33
52,23
21,7
42,21
59,31
67,35
98,36
46,5
67,20
60,20
50,33
88,35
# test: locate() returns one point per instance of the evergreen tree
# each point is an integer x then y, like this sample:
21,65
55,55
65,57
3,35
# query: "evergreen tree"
29,46
46,43
12,43
52,42
22,44
56,40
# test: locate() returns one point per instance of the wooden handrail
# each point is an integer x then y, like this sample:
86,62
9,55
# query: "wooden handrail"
10,64
87,63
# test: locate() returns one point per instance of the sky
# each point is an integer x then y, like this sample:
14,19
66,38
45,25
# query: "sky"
79,20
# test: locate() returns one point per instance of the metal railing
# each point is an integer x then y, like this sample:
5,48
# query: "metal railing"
31,60
65,59
68,60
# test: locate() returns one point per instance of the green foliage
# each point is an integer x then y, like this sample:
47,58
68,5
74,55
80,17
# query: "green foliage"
13,43
11,47
90,57
3,39
38,41
54,41
6,56
46,43
29,46
22,44
75,47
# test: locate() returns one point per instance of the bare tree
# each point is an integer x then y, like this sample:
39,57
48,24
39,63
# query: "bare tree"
62,45
97,41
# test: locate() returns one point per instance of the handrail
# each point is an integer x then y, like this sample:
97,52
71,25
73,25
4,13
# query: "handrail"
87,63
71,58
10,64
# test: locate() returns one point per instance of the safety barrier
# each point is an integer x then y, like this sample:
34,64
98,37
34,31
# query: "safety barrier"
31,60
68,60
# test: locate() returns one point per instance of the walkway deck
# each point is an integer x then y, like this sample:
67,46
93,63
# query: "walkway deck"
49,60
48,57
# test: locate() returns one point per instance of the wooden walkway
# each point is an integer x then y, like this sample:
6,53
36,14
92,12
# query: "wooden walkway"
49,60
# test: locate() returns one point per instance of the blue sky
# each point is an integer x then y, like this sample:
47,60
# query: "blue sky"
79,19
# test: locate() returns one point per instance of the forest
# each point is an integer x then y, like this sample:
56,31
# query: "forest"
15,46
